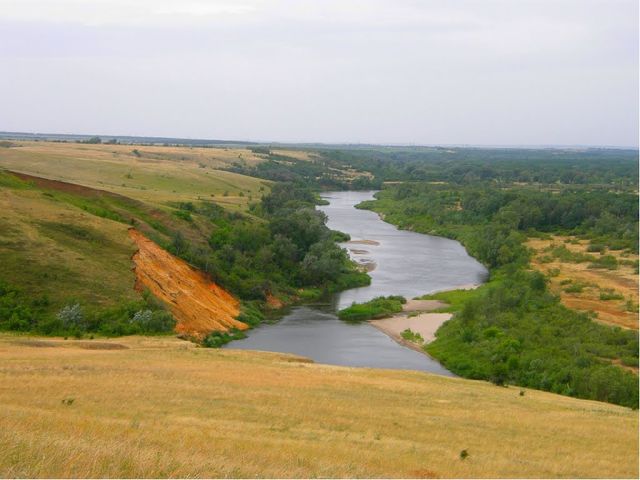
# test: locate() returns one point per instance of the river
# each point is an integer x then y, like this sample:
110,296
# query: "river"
406,263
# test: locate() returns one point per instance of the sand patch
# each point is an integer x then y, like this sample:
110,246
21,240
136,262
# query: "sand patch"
426,324
363,242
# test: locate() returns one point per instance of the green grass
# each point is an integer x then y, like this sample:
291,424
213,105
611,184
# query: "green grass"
454,298
51,249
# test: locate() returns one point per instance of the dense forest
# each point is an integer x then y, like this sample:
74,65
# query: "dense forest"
378,164
513,330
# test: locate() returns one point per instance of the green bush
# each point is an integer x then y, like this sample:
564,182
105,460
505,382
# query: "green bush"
606,261
411,336
610,295
377,308
575,288
218,339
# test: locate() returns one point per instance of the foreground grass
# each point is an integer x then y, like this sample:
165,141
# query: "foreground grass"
158,407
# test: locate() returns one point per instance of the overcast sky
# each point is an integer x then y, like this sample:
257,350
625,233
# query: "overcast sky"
396,71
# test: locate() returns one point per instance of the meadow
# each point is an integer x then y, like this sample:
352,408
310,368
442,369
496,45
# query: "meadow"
160,407
153,174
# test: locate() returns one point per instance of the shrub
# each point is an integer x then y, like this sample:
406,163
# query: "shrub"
575,288
71,317
610,295
148,321
596,247
377,308
218,339
606,261
411,336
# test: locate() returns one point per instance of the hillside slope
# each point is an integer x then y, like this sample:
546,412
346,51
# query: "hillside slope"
199,305
158,407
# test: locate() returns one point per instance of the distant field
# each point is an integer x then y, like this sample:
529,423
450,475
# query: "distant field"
610,292
154,174
158,407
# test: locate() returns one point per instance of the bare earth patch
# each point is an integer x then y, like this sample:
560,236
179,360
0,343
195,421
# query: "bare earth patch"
594,282
417,316
199,305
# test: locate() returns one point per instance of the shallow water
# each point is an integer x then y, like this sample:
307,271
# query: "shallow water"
407,263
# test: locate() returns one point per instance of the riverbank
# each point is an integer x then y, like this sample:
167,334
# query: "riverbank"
419,317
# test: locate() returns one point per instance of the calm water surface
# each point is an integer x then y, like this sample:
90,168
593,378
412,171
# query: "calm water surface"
407,263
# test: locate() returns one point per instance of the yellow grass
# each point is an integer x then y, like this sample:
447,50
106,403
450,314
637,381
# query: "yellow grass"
297,154
162,408
159,175
623,281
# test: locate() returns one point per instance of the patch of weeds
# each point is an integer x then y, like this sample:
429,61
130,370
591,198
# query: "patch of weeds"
610,294
606,261
218,339
575,288
411,336
554,272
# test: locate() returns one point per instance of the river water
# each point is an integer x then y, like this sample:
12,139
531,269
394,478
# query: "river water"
406,263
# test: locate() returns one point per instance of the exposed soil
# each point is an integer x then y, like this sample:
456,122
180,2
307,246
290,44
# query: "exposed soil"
623,281
72,188
199,305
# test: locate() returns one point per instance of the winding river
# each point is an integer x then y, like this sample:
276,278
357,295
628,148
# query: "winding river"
406,263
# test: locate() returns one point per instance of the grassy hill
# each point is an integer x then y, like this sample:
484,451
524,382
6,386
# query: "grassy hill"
153,174
159,407
52,248
64,217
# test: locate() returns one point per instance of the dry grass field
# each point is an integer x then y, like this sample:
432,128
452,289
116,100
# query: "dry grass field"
159,407
593,288
156,174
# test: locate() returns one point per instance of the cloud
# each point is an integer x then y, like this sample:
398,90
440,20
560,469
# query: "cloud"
432,71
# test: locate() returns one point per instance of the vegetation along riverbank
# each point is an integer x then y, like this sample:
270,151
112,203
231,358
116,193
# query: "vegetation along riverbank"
514,329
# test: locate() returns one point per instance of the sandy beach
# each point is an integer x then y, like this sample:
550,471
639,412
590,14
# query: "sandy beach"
425,323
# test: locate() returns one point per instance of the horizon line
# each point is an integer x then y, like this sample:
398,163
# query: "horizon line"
6,134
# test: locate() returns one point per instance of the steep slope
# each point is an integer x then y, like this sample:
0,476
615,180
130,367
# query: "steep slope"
199,305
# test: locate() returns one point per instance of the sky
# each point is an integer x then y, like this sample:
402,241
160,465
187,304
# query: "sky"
478,72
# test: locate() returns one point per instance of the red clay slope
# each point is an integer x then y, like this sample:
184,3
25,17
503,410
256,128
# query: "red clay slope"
199,305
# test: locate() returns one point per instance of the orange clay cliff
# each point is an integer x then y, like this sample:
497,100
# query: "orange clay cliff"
198,305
